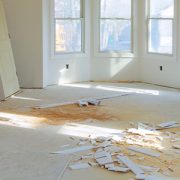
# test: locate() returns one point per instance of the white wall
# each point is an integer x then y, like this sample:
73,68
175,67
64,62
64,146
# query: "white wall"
79,66
150,64
24,18
107,68
29,22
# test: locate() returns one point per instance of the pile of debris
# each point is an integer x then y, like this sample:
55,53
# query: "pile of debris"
118,152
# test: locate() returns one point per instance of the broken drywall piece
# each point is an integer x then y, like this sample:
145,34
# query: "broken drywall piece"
101,139
143,126
112,149
104,160
166,173
141,158
119,169
170,124
94,102
176,146
149,168
101,154
79,166
93,142
75,150
105,144
131,165
82,103
144,151
140,177
82,143
176,151
93,164
107,166
87,157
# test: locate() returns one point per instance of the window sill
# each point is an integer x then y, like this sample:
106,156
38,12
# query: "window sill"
113,55
160,57
58,56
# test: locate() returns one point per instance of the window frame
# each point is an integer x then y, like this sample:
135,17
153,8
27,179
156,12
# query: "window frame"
148,20
55,54
97,27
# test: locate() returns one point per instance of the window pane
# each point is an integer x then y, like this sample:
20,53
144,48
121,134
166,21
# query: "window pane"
161,36
162,8
115,35
115,8
67,8
68,36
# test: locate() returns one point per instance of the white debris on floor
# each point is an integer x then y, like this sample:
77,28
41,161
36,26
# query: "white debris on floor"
124,153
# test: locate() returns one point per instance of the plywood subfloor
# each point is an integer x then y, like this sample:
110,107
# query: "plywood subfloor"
29,135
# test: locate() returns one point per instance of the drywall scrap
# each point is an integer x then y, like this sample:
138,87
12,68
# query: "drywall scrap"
131,165
144,151
79,166
167,125
114,153
74,150
82,102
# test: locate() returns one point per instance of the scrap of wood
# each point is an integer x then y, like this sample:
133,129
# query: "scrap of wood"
78,166
144,151
74,150
131,165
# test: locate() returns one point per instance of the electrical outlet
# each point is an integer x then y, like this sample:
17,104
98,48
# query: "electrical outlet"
67,66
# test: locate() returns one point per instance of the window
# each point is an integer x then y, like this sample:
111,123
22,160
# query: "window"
160,26
115,26
68,26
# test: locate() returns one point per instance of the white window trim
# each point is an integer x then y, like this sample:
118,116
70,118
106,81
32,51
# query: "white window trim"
114,54
155,55
67,55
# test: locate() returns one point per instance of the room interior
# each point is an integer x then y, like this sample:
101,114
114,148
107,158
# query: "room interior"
98,74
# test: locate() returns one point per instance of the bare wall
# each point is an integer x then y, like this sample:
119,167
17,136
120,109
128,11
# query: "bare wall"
24,19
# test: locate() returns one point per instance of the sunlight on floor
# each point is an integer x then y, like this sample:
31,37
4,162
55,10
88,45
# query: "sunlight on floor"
81,130
115,89
129,90
18,120
24,98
